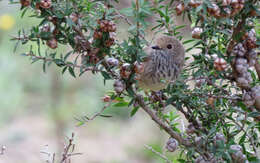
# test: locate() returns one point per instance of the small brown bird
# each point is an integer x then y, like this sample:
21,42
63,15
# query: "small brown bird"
163,63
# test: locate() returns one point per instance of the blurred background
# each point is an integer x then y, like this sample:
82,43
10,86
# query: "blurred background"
38,110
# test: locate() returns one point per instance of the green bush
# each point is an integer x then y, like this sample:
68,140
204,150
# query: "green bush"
218,91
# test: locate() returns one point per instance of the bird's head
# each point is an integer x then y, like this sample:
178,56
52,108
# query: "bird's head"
170,45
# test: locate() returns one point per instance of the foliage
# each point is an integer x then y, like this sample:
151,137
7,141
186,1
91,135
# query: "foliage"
218,92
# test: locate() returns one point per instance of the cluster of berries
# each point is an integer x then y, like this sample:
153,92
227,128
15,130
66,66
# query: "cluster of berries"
252,97
81,44
218,8
25,3
125,71
45,4
238,155
200,159
246,57
105,26
51,42
180,8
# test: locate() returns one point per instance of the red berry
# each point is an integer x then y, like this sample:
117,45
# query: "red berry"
125,70
139,67
74,17
220,64
196,32
52,43
180,8
106,98
45,4
97,35
25,3
210,101
226,2
93,59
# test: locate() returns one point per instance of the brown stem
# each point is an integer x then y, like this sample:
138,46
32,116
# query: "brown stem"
66,64
137,22
163,125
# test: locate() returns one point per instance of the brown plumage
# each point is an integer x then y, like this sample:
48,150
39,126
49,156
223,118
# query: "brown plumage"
164,63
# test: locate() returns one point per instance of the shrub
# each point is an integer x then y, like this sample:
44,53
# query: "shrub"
218,92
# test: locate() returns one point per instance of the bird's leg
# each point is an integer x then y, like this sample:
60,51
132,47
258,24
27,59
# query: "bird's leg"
158,97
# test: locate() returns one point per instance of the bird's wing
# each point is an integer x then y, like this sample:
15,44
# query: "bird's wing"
148,61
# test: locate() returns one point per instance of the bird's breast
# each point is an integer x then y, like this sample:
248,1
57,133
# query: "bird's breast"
165,68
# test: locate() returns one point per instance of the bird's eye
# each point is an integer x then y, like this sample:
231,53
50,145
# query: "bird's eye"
169,46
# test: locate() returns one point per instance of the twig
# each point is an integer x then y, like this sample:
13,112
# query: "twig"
66,153
85,119
66,64
137,22
215,96
157,153
101,111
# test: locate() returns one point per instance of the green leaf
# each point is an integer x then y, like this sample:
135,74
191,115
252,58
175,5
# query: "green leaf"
44,66
64,70
242,139
24,11
59,62
130,92
67,55
254,114
127,11
121,104
80,123
181,161
170,100
105,116
188,41
105,75
70,22
135,109
72,72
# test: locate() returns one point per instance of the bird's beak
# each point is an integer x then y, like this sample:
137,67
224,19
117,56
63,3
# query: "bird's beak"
156,47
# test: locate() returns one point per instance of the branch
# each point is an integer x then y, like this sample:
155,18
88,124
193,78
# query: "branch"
163,125
66,64
85,119
101,111
68,150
